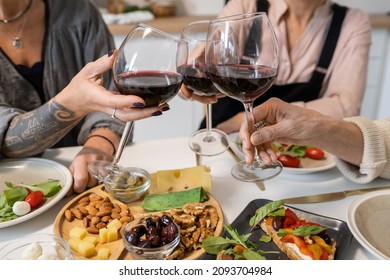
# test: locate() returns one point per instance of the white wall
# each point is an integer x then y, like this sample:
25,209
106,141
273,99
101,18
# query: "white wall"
370,6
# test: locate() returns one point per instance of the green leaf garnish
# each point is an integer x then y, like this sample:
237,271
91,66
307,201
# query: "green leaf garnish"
263,211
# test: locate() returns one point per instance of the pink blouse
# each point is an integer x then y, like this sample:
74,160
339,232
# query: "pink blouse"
345,81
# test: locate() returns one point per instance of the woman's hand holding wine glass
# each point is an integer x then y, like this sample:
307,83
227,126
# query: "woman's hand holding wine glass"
146,66
242,62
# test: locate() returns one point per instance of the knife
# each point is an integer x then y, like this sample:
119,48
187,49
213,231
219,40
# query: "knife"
259,184
329,196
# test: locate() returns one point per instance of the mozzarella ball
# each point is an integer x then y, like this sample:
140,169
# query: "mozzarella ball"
32,251
21,208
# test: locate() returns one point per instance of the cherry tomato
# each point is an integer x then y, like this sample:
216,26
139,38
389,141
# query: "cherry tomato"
34,199
289,161
315,153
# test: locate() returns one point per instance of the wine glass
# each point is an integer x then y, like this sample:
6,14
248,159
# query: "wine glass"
146,66
209,141
242,62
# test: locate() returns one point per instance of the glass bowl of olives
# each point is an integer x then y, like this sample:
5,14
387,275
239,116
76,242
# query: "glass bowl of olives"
127,184
151,237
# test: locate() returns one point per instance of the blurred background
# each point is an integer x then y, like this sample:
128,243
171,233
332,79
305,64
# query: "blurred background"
171,16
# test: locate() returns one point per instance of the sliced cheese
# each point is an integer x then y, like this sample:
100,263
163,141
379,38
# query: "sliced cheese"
182,179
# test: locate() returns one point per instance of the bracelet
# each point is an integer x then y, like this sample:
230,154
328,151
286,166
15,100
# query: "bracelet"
103,137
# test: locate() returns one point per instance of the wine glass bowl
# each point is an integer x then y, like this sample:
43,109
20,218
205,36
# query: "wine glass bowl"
208,141
242,62
146,66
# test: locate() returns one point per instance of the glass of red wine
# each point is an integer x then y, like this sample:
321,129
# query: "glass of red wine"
242,62
209,141
146,66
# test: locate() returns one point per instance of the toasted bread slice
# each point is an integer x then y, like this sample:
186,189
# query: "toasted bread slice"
291,249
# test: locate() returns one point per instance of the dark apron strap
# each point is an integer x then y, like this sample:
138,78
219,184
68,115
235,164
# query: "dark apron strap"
332,37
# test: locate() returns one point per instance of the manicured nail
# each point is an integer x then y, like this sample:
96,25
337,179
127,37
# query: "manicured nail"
110,52
165,109
138,105
157,113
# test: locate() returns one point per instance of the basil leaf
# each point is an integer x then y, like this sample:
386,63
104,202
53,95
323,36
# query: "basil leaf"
263,211
252,255
307,230
265,238
302,231
215,244
15,194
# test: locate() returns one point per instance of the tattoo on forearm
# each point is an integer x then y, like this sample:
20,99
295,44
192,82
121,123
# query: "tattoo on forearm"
33,132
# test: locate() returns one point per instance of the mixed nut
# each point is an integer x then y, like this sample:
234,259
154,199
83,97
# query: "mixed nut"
96,211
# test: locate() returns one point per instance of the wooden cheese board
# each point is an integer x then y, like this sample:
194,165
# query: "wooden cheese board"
62,226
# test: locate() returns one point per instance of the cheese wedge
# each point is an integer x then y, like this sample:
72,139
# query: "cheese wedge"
181,179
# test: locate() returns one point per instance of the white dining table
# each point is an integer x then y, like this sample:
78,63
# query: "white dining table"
232,195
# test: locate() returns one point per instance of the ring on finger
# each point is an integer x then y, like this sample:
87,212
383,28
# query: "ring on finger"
260,124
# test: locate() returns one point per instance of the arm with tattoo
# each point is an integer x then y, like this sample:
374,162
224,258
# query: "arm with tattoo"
33,132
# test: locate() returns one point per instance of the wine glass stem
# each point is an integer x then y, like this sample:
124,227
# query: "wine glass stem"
125,137
209,123
251,123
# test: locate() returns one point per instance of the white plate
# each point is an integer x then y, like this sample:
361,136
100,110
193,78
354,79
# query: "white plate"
31,171
308,165
368,218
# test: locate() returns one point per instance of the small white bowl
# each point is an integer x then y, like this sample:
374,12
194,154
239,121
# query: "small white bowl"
37,247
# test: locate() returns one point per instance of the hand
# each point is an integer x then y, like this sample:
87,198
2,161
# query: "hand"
233,124
188,93
85,94
286,123
82,179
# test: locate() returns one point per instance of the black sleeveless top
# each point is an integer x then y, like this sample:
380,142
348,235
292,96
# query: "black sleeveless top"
227,107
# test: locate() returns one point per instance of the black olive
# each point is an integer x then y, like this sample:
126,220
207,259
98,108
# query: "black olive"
150,222
158,226
165,220
171,232
131,237
277,222
155,240
151,231
326,238
145,244
139,230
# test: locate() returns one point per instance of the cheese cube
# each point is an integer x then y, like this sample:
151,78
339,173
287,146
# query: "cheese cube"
103,235
92,239
115,224
103,253
74,243
183,179
77,232
112,235
86,249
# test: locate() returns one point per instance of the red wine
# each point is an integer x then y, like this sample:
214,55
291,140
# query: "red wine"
154,87
196,79
242,82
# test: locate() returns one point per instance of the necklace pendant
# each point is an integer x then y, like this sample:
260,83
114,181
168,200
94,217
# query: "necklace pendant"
17,43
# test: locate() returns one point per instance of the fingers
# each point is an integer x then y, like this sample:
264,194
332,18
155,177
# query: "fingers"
81,177
101,65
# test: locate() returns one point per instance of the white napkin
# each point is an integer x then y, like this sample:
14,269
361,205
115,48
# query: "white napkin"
125,18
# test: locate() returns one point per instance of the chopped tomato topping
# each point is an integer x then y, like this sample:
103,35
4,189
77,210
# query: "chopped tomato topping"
290,219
